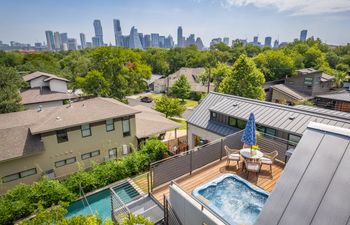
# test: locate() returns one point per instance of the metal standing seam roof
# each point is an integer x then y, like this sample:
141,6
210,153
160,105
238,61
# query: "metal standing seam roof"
314,187
281,117
287,91
344,96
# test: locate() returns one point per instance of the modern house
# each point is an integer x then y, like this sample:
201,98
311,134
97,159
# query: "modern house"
305,85
57,141
192,74
337,101
220,115
45,90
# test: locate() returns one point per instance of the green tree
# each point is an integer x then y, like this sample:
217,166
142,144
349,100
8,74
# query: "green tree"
94,83
181,88
10,84
275,64
154,148
244,80
169,106
136,219
156,58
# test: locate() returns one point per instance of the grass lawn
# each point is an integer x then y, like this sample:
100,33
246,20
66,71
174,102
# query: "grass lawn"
183,123
187,102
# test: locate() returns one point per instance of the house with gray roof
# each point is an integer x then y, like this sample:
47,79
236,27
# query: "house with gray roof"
337,101
314,187
305,85
219,115
45,90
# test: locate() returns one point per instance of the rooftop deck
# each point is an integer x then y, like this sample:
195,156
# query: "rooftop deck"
188,182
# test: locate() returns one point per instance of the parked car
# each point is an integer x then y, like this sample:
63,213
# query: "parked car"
146,99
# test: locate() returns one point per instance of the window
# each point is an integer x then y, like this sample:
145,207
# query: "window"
90,154
293,140
85,130
232,122
126,127
109,125
270,131
62,136
308,81
65,162
213,115
241,124
19,175
266,130
112,153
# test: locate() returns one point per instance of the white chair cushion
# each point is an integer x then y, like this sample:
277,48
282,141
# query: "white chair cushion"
234,157
265,160
253,166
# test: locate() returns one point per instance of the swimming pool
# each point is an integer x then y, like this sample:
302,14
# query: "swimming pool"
100,202
233,198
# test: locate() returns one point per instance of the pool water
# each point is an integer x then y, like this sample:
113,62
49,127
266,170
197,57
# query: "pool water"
100,203
233,198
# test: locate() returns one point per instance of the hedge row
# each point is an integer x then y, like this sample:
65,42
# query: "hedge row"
23,199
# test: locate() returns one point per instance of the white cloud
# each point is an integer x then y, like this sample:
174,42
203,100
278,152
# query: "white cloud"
295,7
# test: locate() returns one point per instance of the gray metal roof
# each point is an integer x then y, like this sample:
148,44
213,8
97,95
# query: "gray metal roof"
314,187
343,96
288,91
266,113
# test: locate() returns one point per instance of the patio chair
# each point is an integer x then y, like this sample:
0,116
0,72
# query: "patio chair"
253,166
232,155
269,159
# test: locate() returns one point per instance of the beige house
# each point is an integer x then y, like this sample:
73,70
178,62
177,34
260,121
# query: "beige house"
192,74
57,141
45,90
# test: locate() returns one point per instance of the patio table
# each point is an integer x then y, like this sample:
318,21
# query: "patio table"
247,153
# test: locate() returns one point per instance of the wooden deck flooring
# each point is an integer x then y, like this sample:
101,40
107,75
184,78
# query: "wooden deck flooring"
264,180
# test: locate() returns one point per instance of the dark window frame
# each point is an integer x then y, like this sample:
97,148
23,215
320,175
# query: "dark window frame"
229,121
241,124
126,133
107,125
213,115
19,175
81,130
65,162
89,154
289,141
60,138
115,151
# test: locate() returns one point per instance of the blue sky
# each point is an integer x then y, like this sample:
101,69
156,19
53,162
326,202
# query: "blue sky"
26,20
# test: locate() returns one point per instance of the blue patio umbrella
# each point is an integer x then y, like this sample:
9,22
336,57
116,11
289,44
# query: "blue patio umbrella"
248,136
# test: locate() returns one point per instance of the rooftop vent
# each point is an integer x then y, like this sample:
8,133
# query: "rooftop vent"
234,104
58,118
291,117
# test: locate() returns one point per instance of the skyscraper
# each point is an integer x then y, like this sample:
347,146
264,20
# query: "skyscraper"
50,40
155,40
98,32
72,44
226,40
199,43
169,43
142,40
82,40
275,44
64,39
190,40
134,39
58,42
179,37
117,33
162,41
303,35
147,40
268,41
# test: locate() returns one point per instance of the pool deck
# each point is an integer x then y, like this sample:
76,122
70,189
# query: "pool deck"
188,182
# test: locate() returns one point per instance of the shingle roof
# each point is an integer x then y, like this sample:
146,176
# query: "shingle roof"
154,77
287,118
37,95
37,74
289,92
18,131
150,122
314,187
344,96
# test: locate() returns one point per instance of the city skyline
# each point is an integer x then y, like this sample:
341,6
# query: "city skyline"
206,19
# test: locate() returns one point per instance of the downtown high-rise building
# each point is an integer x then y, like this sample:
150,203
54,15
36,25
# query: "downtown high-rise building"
147,41
82,40
50,40
98,33
155,40
268,42
180,37
276,44
64,38
199,43
72,44
134,39
190,40
118,36
169,42
142,39
226,40
57,38
303,35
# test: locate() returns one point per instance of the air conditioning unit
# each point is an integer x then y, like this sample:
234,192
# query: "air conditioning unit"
125,149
